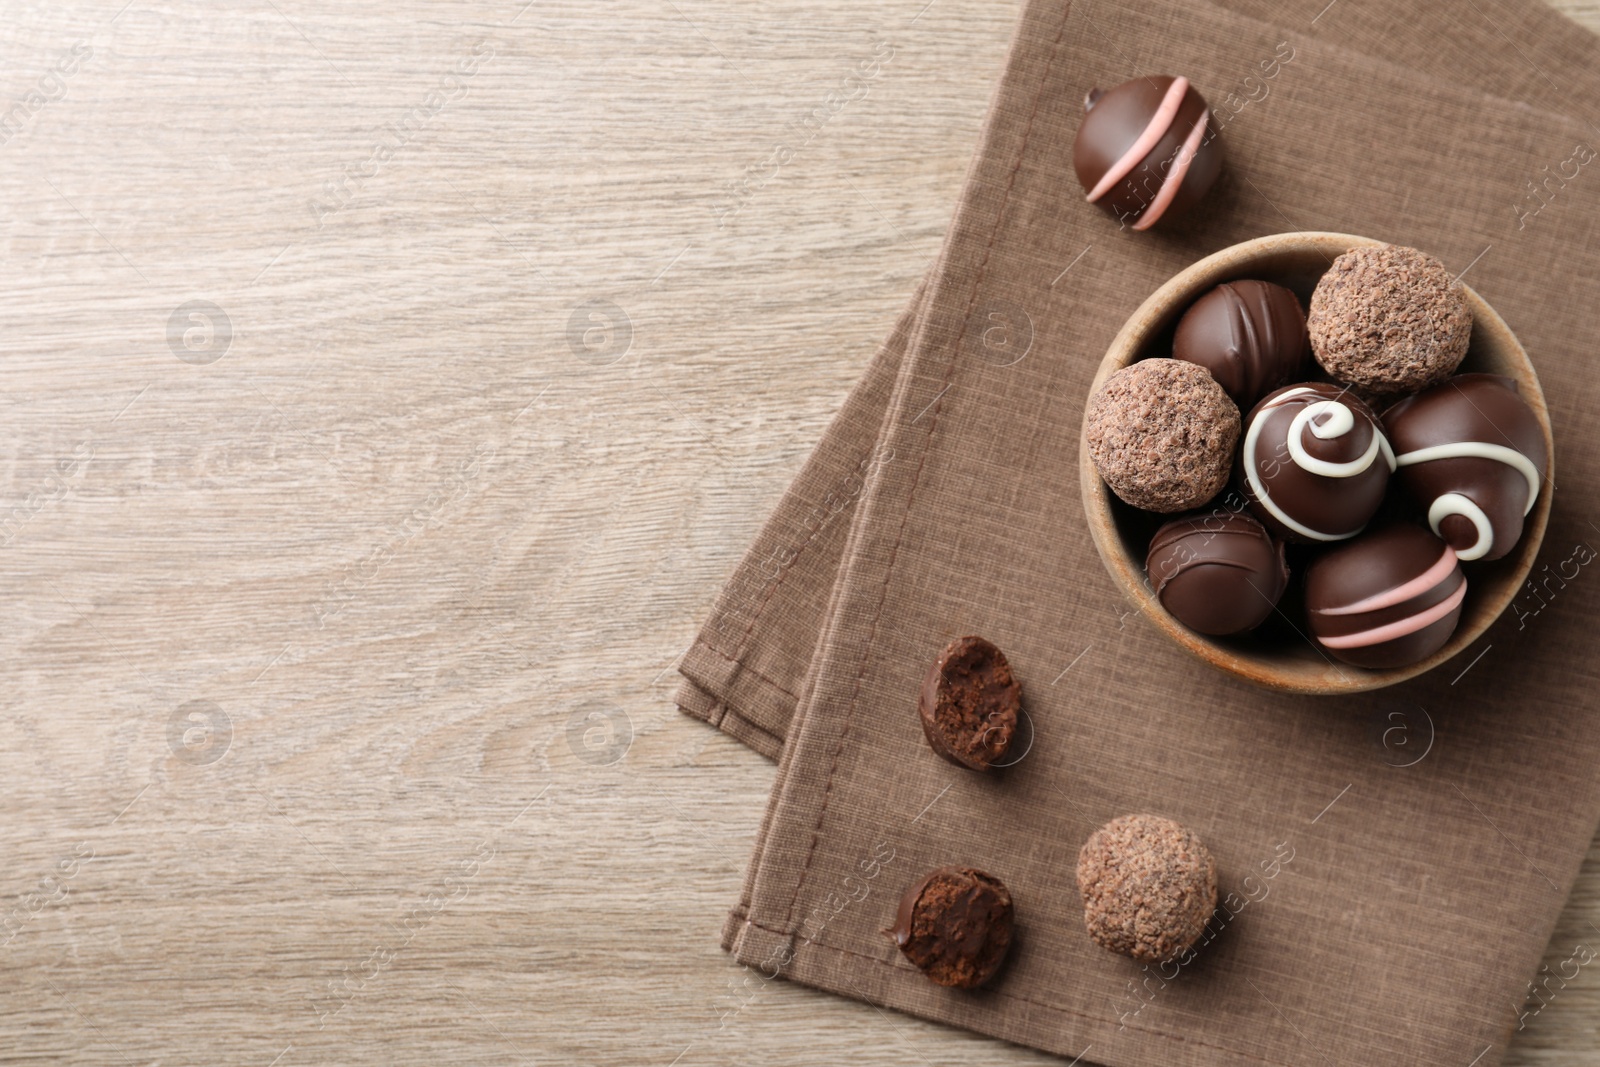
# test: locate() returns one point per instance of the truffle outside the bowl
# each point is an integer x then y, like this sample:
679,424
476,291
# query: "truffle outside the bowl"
1121,534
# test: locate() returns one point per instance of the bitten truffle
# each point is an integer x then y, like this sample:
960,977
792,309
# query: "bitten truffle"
969,704
956,926
1149,886
1388,320
1162,433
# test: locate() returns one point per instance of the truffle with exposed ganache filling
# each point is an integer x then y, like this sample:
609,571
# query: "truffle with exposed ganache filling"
956,926
969,703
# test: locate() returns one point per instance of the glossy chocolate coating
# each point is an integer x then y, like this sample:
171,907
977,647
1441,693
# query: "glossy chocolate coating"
1114,122
1219,574
1250,335
969,704
1278,465
955,926
1387,599
1480,413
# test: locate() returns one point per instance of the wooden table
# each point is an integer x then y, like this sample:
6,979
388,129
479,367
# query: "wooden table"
324,546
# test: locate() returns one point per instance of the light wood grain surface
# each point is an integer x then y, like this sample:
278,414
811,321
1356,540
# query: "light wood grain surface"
342,605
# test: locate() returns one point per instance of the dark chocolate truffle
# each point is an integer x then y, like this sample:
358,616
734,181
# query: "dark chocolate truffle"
969,704
1219,574
1149,887
1389,320
1250,335
956,926
1473,452
1387,599
1315,463
1146,150
1161,433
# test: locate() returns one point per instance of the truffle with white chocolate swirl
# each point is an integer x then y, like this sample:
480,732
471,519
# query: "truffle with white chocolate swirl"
1315,463
1473,453
1390,598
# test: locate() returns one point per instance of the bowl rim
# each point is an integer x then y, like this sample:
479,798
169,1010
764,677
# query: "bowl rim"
1129,574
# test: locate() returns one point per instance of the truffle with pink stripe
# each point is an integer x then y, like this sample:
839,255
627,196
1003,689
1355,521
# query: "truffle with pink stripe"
1387,599
1146,150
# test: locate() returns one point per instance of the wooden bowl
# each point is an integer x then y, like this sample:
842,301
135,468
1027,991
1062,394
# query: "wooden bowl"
1280,655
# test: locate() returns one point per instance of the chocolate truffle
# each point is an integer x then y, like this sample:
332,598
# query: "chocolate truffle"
1315,463
969,704
956,926
1473,452
1250,335
1149,887
1387,599
1218,574
1146,150
1389,320
1161,433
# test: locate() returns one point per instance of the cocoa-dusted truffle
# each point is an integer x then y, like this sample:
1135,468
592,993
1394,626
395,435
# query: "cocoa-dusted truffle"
1149,886
1474,454
1161,433
955,926
1146,150
1390,598
1388,319
1315,463
1219,574
969,703
1250,335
